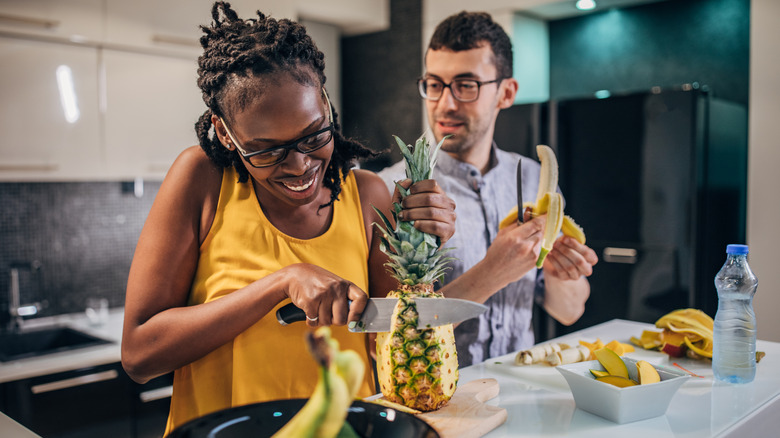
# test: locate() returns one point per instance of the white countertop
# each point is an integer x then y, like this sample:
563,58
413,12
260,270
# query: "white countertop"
65,361
536,397
12,429
73,359
539,402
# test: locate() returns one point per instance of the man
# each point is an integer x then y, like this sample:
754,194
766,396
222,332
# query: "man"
468,80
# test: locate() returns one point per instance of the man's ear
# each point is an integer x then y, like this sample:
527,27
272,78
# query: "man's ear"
508,92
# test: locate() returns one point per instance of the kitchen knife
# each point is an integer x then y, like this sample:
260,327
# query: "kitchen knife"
520,192
378,313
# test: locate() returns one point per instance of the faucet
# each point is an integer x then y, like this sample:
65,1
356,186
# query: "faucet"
15,308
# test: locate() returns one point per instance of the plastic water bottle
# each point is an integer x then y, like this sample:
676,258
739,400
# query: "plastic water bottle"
734,343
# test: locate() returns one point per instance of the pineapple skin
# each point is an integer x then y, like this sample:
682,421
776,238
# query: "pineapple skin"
416,368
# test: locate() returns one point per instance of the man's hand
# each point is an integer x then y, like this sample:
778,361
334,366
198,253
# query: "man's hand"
566,286
514,251
569,260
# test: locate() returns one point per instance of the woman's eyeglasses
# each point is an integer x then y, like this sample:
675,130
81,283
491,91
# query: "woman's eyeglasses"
275,155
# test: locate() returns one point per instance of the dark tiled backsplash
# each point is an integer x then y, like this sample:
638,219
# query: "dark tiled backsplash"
82,233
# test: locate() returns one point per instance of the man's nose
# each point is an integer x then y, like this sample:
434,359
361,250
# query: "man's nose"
447,101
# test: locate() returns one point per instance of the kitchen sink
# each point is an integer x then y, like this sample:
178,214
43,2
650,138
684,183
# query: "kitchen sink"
33,343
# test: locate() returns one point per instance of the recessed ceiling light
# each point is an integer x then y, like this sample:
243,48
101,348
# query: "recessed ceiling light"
585,5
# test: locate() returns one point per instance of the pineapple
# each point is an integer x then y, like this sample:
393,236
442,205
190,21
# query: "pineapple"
416,368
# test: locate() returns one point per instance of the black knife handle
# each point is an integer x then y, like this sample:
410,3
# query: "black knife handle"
289,314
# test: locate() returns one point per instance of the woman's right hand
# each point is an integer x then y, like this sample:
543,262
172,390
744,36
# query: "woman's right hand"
323,295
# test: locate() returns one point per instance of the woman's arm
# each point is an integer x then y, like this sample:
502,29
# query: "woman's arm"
160,332
373,193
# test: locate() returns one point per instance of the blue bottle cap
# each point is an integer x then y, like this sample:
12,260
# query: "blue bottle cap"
737,249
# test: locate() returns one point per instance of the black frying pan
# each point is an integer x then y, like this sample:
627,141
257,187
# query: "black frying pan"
264,419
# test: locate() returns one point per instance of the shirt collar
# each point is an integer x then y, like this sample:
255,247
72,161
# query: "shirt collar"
451,166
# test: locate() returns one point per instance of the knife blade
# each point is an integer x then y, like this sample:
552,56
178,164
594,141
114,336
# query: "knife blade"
520,191
378,314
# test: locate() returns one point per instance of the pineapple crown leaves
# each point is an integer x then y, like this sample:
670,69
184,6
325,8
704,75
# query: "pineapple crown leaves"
410,264
415,257
420,162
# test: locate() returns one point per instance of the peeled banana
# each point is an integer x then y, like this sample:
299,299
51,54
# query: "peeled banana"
550,202
340,376
538,353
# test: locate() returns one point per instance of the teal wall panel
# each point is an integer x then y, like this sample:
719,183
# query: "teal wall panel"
664,44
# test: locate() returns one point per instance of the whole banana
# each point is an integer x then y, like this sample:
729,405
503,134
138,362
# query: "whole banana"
550,202
340,376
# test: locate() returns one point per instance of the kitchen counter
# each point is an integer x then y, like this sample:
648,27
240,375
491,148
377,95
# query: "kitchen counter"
537,398
73,359
64,361
539,403
12,429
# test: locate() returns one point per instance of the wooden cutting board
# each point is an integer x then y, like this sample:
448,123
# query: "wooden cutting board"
467,415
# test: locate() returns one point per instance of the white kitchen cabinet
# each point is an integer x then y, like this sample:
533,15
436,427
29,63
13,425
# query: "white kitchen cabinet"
169,26
50,126
151,106
133,67
74,20
135,112
173,26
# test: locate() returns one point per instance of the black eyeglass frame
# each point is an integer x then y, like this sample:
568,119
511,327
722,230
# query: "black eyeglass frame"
288,146
421,87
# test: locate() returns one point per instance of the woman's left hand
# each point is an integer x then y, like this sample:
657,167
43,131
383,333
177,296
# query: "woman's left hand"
432,211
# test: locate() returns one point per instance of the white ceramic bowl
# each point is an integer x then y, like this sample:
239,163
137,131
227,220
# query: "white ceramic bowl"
621,405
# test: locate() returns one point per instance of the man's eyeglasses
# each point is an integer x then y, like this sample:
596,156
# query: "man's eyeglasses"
463,90
275,155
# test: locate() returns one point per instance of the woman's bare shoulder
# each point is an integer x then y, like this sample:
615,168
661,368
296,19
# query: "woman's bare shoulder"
191,188
371,186
194,172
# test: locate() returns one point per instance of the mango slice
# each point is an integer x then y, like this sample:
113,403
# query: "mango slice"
620,382
611,362
646,373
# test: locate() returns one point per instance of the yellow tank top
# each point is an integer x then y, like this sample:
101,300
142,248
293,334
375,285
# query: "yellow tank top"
268,361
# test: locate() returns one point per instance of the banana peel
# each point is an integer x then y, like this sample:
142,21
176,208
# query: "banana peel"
684,332
694,325
340,376
549,202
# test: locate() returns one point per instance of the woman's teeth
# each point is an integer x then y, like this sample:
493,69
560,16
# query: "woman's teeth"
299,188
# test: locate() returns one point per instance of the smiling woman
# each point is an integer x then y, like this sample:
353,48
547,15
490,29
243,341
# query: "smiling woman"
267,211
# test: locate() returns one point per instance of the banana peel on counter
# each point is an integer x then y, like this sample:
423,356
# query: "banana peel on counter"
549,202
686,332
340,376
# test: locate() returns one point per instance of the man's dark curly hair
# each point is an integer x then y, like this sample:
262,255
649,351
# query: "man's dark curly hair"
236,52
469,30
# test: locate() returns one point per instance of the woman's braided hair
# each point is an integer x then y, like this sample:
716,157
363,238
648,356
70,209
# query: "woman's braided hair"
235,53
